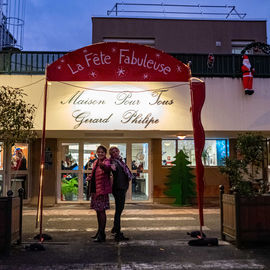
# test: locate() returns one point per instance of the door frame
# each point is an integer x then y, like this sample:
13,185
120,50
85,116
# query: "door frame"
106,142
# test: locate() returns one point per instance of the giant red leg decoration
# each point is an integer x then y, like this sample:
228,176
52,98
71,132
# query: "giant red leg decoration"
197,91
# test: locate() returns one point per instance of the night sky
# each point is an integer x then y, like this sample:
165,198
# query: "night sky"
65,25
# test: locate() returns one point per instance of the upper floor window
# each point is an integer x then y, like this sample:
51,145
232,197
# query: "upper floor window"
214,151
141,41
239,45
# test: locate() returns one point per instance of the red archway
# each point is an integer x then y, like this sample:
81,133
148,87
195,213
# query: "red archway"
134,63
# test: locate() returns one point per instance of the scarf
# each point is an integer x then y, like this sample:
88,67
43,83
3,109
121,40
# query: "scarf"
124,166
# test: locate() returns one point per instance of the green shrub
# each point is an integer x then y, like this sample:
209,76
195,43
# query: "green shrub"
245,172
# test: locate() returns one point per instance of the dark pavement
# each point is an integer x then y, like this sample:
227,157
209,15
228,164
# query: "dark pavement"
158,240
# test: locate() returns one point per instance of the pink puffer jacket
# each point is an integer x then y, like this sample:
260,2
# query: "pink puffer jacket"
102,176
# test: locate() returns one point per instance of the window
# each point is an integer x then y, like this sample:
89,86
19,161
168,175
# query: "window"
89,155
1,185
69,179
238,46
70,156
75,163
1,168
19,157
268,147
122,148
19,167
1,156
140,182
168,152
214,151
141,41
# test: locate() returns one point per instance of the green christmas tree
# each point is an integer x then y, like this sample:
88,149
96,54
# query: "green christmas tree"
181,184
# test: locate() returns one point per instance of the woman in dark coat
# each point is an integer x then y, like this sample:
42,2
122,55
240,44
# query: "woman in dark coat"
121,178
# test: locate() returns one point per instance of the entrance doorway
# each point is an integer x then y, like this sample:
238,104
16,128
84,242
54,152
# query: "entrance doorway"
75,162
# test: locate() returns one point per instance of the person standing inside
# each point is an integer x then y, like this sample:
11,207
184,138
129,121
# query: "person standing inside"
69,164
100,187
19,162
121,177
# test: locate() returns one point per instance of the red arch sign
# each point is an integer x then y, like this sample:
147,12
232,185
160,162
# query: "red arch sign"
118,62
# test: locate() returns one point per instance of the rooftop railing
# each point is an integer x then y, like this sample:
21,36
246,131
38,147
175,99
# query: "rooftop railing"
27,62
228,65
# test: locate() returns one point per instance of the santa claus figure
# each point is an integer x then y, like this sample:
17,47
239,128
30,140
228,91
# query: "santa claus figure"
247,75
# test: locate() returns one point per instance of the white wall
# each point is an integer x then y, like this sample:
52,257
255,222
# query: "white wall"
226,108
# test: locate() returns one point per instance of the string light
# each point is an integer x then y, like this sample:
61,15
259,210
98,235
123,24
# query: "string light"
32,83
120,91
106,90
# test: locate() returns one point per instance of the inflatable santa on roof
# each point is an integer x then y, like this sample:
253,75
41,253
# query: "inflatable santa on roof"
247,76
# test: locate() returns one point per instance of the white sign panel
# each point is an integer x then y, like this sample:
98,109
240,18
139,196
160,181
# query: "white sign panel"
118,106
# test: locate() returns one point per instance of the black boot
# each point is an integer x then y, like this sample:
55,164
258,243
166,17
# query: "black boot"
113,231
95,236
101,237
120,237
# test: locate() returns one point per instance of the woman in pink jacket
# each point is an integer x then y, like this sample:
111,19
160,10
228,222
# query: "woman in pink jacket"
100,187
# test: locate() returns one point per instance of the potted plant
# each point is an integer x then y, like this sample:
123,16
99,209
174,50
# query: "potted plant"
69,188
245,210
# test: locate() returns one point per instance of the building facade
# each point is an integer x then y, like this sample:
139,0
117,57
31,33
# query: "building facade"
181,36
149,151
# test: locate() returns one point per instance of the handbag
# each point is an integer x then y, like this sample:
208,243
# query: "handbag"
91,186
111,178
93,182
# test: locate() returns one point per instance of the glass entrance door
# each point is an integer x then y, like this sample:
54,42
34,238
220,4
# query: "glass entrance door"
76,163
89,157
70,172
140,167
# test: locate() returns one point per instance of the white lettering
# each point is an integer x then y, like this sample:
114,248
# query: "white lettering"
84,118
129,58
107,59
79,99
124,98
121,55
88,59
97,59
159,101
133,117
78,66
